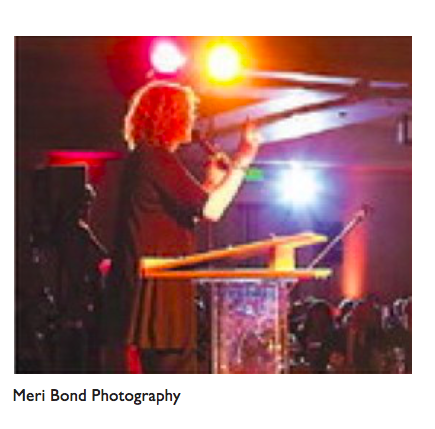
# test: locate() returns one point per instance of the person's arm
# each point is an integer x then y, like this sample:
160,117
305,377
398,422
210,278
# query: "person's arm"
222,186
179,190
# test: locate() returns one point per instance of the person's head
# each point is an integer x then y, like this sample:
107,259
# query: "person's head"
344,309
319,317
161,113
366,316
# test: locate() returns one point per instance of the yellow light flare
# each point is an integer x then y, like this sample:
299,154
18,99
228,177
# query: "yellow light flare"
224,63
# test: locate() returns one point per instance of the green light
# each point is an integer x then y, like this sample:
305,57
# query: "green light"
254,175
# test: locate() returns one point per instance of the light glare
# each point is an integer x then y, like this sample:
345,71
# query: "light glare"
224,63
167,58
299,185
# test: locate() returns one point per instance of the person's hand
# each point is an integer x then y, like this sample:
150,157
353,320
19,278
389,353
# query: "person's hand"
248,146
216,170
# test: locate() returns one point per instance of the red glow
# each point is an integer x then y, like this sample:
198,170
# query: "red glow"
93,160
354,265
81,156
133,360
104,267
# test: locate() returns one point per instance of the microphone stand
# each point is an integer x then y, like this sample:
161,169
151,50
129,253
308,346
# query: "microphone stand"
356,220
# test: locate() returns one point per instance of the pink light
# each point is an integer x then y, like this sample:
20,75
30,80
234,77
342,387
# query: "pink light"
166,57
81,156
93,160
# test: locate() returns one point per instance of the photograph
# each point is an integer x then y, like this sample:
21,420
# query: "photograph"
213,205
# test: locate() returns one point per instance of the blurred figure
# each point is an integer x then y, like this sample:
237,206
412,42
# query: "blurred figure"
318,334
408,340
337,363
66,255
365,338
398,329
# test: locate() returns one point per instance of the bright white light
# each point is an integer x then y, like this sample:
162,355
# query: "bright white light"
166,57
224,63
299,185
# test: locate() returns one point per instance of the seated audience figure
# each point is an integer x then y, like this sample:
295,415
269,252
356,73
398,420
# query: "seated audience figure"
318,335
398,328
365,338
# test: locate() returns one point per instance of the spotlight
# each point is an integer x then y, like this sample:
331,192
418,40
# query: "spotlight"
299,185
224,63
166,57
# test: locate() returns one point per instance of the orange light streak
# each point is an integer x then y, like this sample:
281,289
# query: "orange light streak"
354,264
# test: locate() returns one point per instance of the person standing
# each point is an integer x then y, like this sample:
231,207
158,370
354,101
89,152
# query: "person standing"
160,202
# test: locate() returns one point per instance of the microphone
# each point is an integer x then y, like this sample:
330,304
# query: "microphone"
363,212
212,150
367,208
